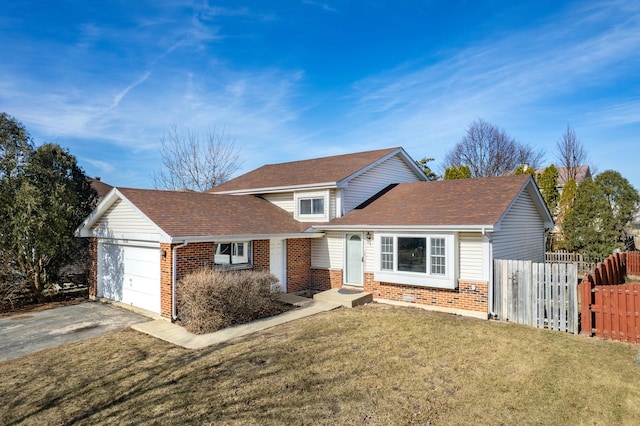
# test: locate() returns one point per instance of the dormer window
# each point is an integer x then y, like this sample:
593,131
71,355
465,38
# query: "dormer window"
312,206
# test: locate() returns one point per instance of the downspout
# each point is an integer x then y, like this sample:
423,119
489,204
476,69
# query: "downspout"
492,314
174,251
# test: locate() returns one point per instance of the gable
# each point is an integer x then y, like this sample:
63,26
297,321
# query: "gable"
362,187
121,217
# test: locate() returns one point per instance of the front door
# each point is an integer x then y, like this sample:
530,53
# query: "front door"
354,260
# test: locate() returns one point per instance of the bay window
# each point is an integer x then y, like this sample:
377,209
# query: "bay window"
415,259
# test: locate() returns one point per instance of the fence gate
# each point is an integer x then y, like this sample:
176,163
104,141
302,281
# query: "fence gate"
536,294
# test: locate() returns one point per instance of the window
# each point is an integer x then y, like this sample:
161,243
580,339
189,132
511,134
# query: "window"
423,260
437,256
312,206
232,254
386,254
411,254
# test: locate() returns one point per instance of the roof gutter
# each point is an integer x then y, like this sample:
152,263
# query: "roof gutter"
440,228
246,237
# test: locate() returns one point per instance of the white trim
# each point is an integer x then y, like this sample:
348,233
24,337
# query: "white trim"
240,238
346,259
311,195
272,189
405,228
434,308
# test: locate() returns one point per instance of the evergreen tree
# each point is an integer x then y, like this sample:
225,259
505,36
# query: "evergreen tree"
53,197
548,183
457,172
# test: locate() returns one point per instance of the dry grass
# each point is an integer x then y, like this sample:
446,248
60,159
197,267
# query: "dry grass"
368,365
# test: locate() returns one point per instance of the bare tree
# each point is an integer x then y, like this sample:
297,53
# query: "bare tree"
571,154
488,151
194,163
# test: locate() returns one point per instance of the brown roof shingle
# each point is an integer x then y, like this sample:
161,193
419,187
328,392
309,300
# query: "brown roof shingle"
100,187
181,214
480,201
304,172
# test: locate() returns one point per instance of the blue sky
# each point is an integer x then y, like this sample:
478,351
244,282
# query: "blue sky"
291,80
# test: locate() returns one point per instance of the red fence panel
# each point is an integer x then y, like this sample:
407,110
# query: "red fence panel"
617,315
633,262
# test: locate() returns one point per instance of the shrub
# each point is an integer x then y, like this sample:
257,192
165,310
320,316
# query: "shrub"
209,300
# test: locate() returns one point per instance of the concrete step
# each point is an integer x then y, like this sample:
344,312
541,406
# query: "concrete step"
345,297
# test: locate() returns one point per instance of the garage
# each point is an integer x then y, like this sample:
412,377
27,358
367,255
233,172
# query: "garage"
130,273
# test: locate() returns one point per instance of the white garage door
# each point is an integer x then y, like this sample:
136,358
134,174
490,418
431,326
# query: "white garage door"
130,274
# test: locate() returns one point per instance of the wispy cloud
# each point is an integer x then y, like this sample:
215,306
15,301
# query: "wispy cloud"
120,95
324,6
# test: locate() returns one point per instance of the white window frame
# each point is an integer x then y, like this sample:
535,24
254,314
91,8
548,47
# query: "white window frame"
312,195
234,260
423,279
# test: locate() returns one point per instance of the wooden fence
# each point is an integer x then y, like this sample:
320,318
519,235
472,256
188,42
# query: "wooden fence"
585,264
610,309
536,294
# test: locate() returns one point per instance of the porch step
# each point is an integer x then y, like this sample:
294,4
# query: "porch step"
344,296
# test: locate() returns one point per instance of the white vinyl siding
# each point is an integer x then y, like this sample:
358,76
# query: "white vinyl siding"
521,233
332,204
284,200
471,255
326,252
363,187
369,254
121,218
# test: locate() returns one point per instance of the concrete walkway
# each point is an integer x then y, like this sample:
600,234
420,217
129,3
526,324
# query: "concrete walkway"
172,333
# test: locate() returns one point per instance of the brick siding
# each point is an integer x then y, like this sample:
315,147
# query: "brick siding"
92,275
326,279
298,264
468,296
261,255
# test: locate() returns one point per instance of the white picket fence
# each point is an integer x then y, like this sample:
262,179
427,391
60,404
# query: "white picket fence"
536,294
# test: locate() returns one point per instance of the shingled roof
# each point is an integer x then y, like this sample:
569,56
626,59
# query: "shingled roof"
325,170
448,203
196,214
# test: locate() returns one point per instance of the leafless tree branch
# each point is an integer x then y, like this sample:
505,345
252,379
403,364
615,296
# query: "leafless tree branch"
190,162
571,154
488,151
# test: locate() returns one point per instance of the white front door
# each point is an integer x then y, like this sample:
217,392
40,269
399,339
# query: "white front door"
354,260
278,262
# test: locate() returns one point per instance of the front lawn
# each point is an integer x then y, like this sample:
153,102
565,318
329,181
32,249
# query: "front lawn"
369,365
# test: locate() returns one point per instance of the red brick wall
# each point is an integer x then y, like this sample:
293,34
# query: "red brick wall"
166,265
468,296
298,264
193,257
325,279
92,275
261,255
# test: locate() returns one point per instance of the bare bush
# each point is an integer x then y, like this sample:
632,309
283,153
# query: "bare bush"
210,300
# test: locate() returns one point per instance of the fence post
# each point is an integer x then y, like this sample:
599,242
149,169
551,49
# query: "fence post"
586,296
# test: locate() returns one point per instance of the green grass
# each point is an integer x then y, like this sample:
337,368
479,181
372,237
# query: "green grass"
369,365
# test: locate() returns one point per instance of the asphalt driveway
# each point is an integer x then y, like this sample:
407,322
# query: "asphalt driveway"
29,332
